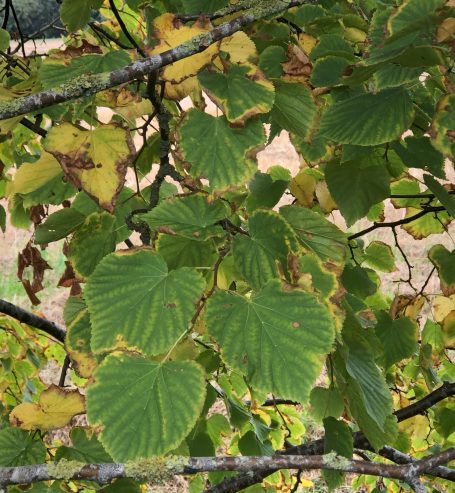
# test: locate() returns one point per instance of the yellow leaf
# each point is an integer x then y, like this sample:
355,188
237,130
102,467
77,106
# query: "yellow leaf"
355,35
31,176
442,306
240,47
171,32
83,364
446,30
302,186
94,160
181,90
55,409
307,42
448,330
324,198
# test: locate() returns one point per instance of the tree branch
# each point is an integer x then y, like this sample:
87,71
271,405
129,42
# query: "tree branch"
30,318
105,473
393,224
87,85
237,483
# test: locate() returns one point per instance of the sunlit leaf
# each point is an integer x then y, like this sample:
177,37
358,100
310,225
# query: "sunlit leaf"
276,338
55,409
95,160
163,301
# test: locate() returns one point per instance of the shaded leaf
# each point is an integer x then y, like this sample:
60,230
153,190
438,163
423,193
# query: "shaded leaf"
157,403
19,448
444,261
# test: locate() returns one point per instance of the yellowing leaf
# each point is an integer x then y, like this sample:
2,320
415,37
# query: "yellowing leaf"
182,89
240,47
55,409
31,176
94,160
442,306
302,186
171,32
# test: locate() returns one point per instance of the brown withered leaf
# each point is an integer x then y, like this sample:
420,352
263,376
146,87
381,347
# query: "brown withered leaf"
31,257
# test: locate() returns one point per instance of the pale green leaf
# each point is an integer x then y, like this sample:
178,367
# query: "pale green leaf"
326,402
75,14
337,438
379,255
277,338
152,406
134,301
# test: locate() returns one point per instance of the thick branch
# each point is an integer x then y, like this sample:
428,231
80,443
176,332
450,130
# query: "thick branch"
105,473
87,85
30,318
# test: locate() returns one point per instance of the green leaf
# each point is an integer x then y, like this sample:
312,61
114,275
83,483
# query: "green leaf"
133,300
204,6
392,75
92,241
316,233
326,402
4,40
224,157
369,119
192,216
294,108
357,281
20,448
427,224
242,93
152,406
356,186
75,14
398,337
270,61
361,366
324,281
337,438
180,251
269,242
52,73
265,192
277,338
122,485
444,261
85,447
2,218
327,71
447,200
441,126
418,152
126,202
332,45
379,255
58,225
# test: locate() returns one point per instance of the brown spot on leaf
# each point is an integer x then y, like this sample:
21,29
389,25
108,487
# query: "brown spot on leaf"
296,325
170,305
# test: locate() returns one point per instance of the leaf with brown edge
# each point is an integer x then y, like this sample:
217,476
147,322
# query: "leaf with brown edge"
55,409
94,160
170,32
444,261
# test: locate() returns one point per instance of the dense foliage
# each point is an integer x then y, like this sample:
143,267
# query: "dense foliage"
214,308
